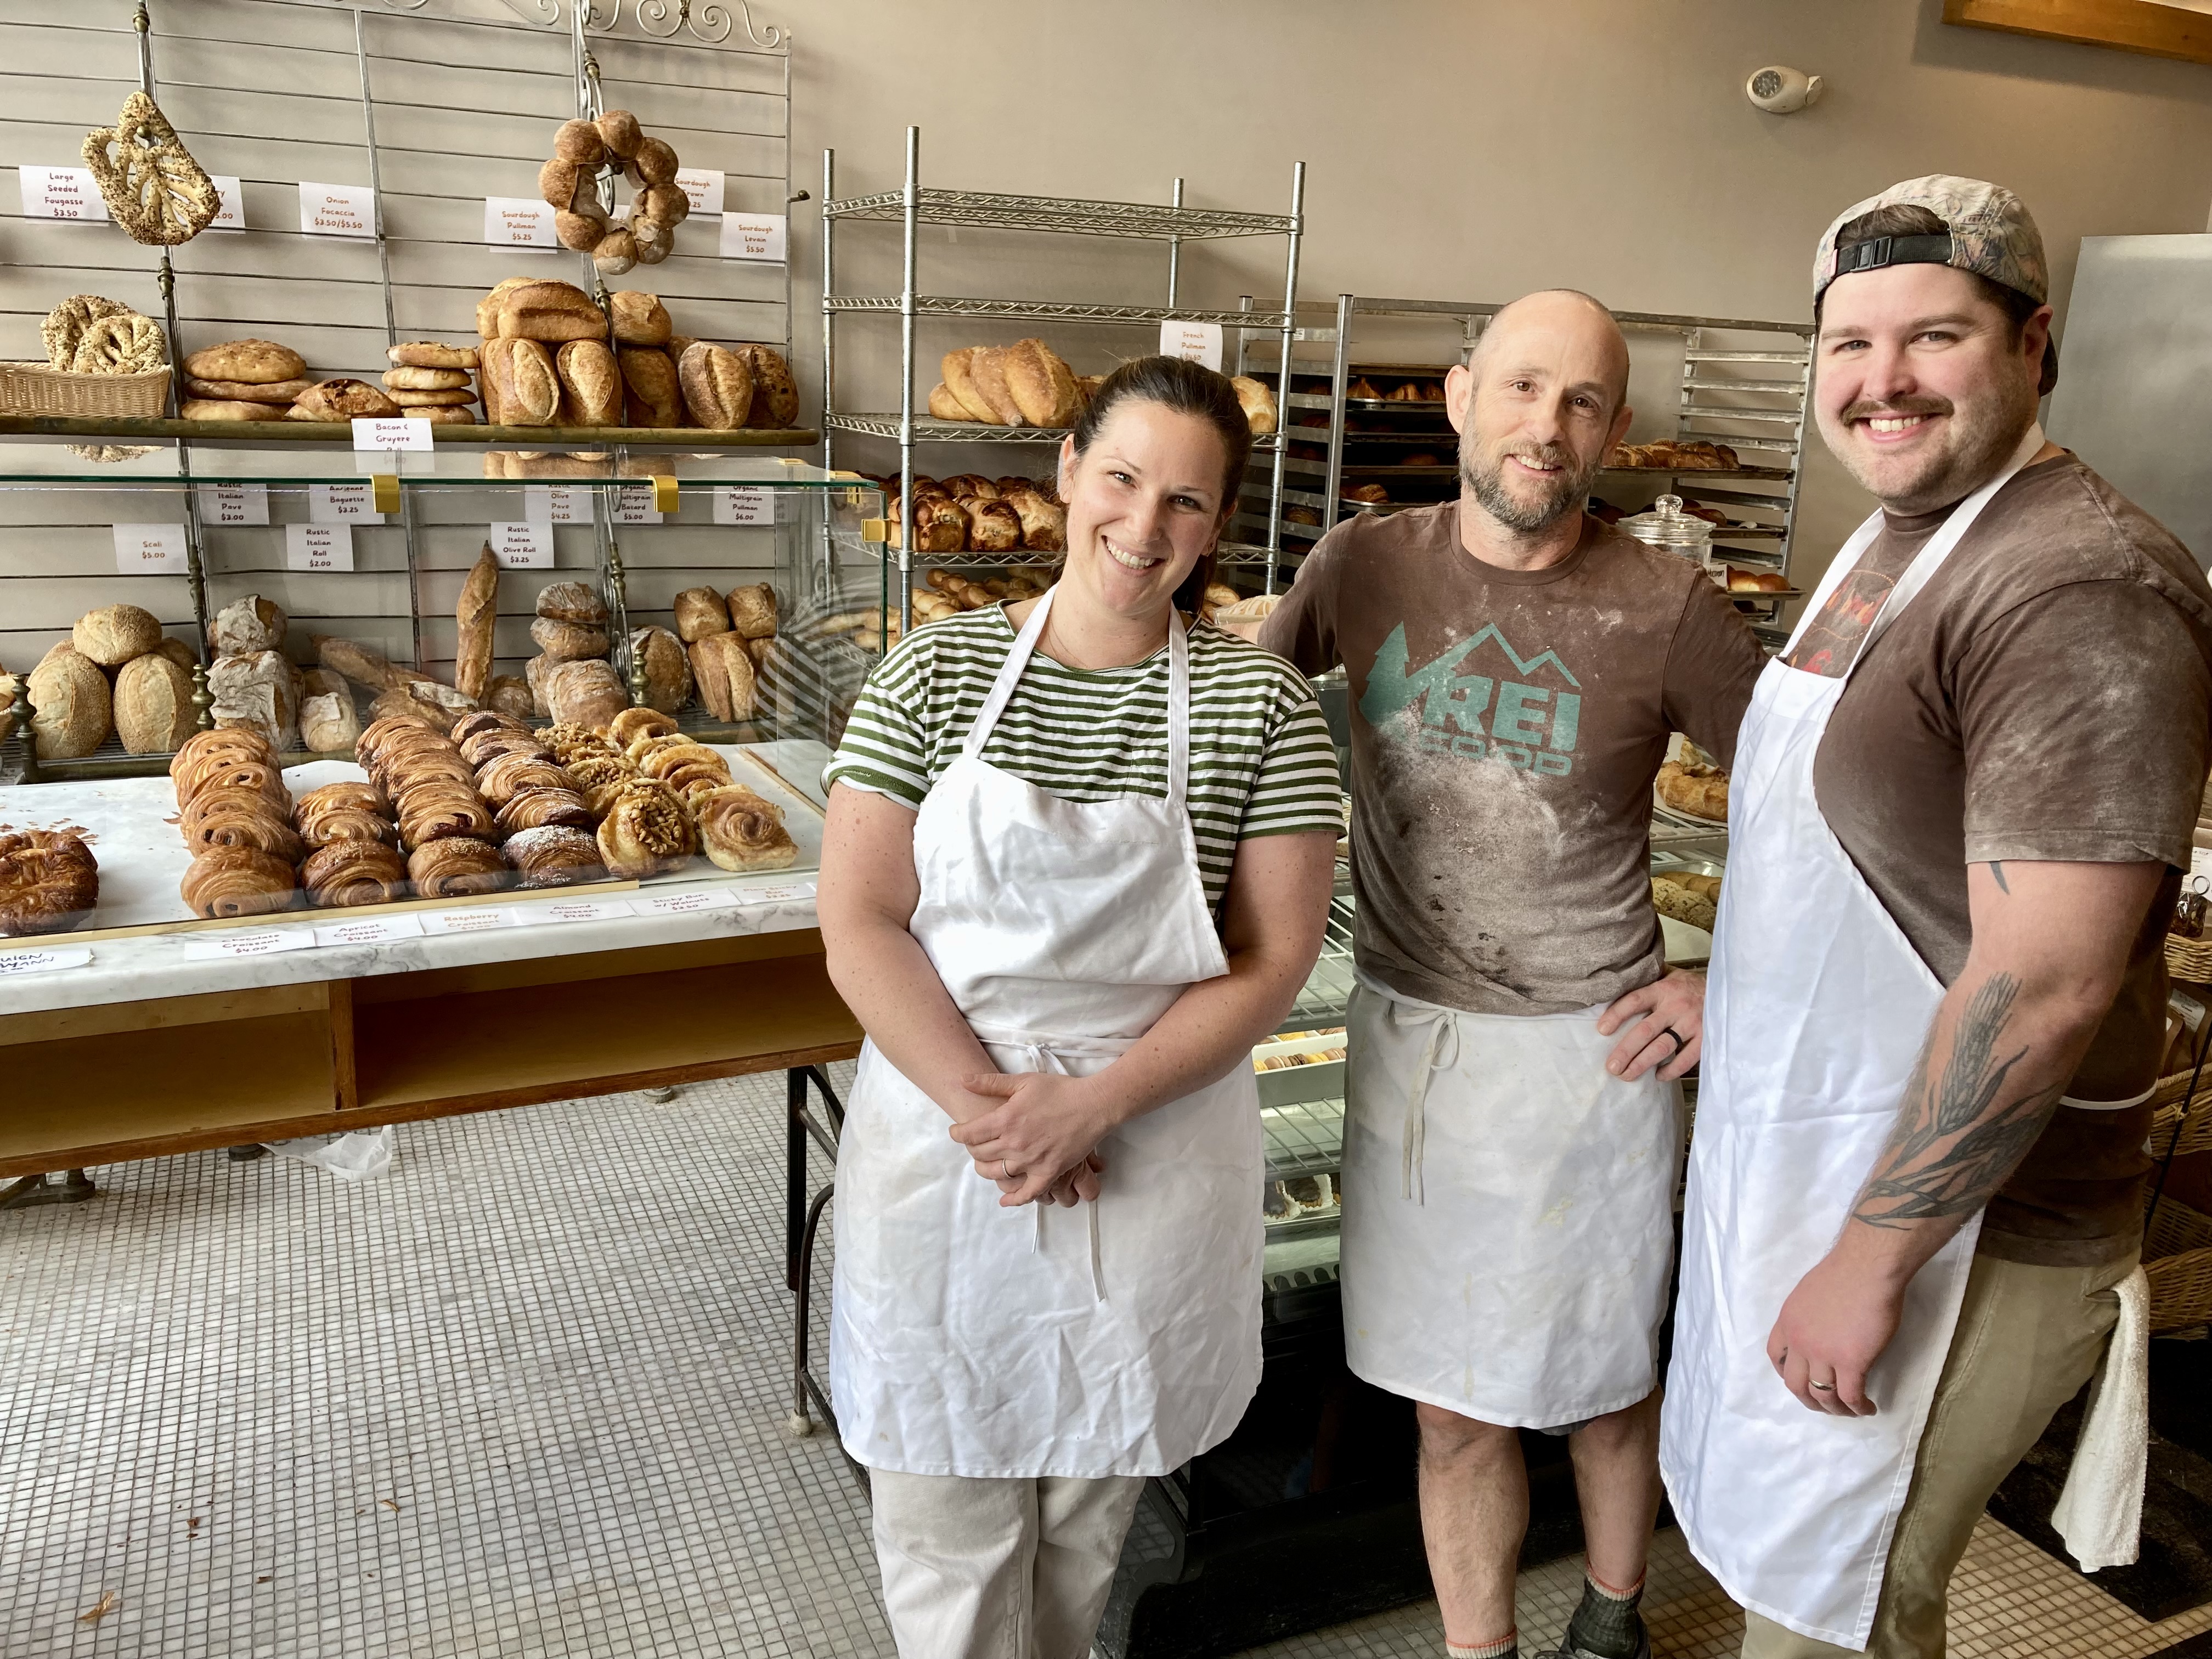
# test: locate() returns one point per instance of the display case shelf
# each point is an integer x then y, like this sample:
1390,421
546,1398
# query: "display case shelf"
990,210
326,434
1041,310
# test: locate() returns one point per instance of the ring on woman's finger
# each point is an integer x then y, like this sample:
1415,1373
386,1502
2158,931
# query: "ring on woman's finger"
1821,1388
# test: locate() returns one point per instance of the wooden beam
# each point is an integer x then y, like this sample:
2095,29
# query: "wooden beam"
2136,26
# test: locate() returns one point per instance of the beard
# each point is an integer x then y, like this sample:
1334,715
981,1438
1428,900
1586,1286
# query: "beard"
1564,492
1982,432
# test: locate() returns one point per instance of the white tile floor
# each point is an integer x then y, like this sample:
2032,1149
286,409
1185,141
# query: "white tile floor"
525,1396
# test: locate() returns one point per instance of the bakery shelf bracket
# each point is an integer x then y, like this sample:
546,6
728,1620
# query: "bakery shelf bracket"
913,205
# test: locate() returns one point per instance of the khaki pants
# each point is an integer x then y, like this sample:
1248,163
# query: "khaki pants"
2027,1339
979,1569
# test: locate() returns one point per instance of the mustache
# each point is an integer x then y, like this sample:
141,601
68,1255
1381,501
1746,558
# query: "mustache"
1865,408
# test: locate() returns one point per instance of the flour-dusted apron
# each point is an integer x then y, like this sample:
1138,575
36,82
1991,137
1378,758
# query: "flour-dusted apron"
1509,1212
1115,1338
1816,1009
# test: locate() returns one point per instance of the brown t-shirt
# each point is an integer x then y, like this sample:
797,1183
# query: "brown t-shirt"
1506,727
2047,697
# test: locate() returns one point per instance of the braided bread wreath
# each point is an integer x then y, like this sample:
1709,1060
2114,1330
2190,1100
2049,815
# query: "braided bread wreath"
585,151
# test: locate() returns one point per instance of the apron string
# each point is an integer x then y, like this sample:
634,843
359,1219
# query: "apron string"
1443,1034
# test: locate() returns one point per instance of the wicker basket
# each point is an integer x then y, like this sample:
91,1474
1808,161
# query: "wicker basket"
2189,959
2177,1261
35,389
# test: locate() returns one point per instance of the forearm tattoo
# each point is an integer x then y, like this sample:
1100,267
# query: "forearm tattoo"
1957,1139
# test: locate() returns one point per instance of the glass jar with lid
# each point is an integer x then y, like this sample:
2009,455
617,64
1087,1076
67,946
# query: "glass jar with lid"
1668,525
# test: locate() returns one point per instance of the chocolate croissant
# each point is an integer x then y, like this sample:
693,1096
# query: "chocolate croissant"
238,881
232,769
556,856
440,811
485,747
239,817
741,830
348,872
484,720
456,865
645,830
536,809
514,775
206,751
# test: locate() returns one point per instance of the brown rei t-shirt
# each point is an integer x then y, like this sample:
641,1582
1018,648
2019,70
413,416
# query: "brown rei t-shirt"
1506,727
2045,696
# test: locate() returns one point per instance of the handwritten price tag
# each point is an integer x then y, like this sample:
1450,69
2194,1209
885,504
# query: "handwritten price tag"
445,923
559,910
1199,342
635,506
703,186
369,930
517,222
230,211
318,547
684,904
780,892
523,546
61,194
742,504
345,503
754,236
386,433
260,942
557,504
337,210
43,962
234,504
151,549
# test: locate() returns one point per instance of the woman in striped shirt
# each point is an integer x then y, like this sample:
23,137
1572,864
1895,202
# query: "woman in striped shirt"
1077,862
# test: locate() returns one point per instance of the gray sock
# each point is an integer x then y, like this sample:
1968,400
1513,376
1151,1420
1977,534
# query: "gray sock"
1606,1626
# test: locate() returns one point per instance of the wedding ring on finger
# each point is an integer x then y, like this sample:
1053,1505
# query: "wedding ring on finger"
1821,1388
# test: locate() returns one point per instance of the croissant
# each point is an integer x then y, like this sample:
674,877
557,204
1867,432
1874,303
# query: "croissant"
514,775
49,881
223,771
238,881
645,830
216,748
392,730
662,761
456,865
486,747
740,830
445,820
484,720
342,826
537,808
239,817
556,856
366,797
355,872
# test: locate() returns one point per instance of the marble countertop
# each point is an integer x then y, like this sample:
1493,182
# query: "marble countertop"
130,823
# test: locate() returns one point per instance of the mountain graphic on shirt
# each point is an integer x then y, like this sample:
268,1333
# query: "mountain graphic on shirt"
1477,717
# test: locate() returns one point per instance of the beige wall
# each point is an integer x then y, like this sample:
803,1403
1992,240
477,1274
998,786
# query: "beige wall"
1476,151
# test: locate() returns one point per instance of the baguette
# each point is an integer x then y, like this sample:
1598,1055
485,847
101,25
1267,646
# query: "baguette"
478,610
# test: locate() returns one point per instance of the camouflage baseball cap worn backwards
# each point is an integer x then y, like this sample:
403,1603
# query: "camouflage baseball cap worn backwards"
1991,233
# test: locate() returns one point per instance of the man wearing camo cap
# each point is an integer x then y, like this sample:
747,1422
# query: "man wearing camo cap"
1935,1012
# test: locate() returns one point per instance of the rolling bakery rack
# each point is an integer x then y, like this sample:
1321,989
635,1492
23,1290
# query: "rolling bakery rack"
1740,383
404,96
913,205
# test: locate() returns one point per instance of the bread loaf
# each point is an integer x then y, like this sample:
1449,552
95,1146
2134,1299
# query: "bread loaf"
667,669
651,393
591,383
177,651
752,611
724,675
245,392
262,362
586,693
364,664
957,368
114,634
259,692
992,526
227,409
987,368
521,387
509,694
477,611
71,708
342,399
700,611
1040,384
775,394
549,311
431,353
640,317
717,385
247,625
572,602
567,641
328,723
154,712
943,406
1044,522
1259,405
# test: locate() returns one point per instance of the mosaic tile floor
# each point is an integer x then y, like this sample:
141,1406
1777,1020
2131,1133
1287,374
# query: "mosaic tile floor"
525,1395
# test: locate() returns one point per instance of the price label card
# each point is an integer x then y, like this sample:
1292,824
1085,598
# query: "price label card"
778,892
684,904
234,504
318,547
230,209
345,503
1199,342
61,194
517,222
255,942
703,186
635,506
557,504
539,915
524,546
338,209
742,504
44,961
753,236
385,433
151,549
445,923
370,930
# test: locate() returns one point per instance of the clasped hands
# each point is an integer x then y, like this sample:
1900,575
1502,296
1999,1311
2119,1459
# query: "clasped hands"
1039,1142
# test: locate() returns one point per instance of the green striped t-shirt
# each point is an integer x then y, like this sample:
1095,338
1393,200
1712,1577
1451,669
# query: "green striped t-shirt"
1262,762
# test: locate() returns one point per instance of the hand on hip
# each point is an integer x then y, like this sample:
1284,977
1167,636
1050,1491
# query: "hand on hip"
1661,1025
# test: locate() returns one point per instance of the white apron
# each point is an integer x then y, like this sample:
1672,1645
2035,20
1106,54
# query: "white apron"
1509,1209
1816,1009
1115,1338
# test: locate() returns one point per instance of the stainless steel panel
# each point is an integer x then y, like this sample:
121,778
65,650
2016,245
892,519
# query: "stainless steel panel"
2134,397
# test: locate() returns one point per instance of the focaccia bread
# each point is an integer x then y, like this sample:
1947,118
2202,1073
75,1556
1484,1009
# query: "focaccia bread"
411,377
263,362
431,353
215,408
246,391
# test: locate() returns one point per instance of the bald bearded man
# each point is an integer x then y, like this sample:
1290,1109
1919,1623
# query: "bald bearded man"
1512,1121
